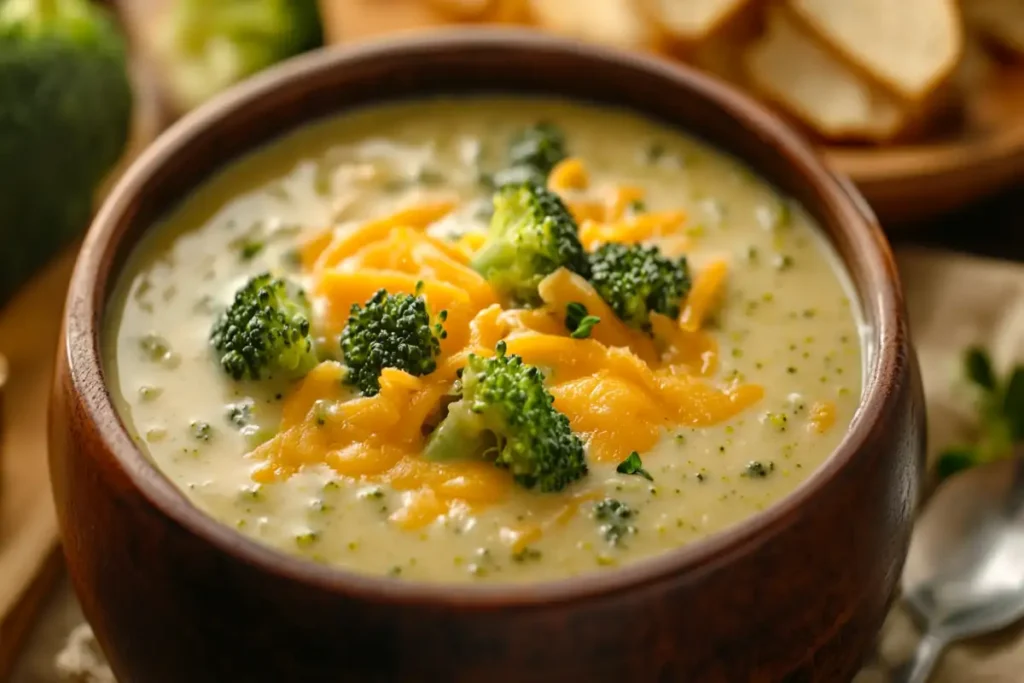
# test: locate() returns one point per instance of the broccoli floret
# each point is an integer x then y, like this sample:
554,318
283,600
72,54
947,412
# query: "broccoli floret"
532,153
507,414
531,235
541,146
390,331
265,332
615,520
636,281
65,112
207,46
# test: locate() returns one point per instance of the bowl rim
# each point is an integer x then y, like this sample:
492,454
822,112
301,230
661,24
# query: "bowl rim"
85,312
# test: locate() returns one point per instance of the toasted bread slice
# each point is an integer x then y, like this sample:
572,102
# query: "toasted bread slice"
1001,21
510,12
790,67
690,21
463,10
611,22
722,53
908,46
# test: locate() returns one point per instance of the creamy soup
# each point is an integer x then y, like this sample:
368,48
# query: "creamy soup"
699,413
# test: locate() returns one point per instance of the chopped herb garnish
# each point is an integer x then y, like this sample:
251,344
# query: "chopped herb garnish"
654,152
249,249
148,393
633,465
578,322
525,555
429,176
783,262
291,259
240,414
201,431
154,434
373,493
155,346
306,539
758,470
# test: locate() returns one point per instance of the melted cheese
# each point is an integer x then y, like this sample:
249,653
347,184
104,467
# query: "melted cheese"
569,174
621,389
631,230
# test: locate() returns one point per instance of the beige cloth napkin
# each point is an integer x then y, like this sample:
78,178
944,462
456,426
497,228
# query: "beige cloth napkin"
954,301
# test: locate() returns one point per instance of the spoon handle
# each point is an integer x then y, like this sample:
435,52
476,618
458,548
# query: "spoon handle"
919,668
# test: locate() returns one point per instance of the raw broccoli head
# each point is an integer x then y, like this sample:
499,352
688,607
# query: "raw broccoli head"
531,235
390,331
265,332
211,45
65,112
637,281
506,412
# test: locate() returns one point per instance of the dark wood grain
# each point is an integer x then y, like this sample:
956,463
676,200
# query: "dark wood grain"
993,228
796,593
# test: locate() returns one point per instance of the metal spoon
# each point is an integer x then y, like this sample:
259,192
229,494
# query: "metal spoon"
965,572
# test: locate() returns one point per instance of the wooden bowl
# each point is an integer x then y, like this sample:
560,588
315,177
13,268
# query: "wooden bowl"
795,593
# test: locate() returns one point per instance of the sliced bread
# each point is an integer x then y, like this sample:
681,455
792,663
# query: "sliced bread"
909,46
722,52
790,67
691,20
611,22
463,10
1001,21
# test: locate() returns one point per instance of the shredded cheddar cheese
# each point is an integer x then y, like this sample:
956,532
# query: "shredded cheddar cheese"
823,416
569,174
620,200
584,210
346,243
621,388
707,288
633,229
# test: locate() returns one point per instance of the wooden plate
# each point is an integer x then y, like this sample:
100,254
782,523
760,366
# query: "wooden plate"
982,154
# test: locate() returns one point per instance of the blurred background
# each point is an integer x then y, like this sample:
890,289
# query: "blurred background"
920,102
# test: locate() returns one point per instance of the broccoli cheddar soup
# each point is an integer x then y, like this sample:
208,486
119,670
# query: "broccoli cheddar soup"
485,340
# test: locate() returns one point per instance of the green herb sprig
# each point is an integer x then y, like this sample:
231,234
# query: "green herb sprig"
578,321
1000,405
633,465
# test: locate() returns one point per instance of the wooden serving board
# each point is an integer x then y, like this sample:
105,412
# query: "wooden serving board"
29,330
981,153
28,528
